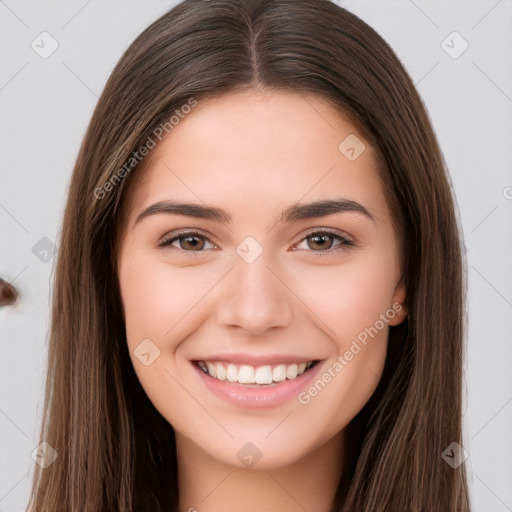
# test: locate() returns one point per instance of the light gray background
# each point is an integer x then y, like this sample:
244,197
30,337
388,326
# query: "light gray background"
45,106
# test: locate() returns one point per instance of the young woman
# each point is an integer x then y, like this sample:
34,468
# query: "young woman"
259,293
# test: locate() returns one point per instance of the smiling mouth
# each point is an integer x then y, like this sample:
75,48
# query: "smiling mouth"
256,375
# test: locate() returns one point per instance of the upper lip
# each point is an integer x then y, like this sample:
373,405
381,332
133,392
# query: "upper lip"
256,360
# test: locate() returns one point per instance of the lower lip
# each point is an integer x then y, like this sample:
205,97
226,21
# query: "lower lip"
264,397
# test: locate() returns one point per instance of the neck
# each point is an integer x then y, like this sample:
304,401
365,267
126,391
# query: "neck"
207,484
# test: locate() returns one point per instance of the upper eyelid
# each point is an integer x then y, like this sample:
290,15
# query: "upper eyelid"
330,231
173,237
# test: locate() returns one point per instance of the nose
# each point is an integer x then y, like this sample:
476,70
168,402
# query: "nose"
254,298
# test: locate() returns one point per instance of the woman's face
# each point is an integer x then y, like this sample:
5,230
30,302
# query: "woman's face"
271,263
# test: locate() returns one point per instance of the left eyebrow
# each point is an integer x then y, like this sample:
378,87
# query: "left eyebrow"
322,209
293,213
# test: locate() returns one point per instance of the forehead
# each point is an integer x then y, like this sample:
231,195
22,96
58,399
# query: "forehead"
249,150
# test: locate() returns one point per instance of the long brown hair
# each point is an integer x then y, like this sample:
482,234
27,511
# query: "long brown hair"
115,451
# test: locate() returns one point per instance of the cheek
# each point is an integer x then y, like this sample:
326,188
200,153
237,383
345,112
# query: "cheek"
349,301
159,306
155,299
350,297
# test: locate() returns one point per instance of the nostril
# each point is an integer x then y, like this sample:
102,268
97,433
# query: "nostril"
8,294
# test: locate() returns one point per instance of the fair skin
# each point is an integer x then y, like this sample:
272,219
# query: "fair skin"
305,297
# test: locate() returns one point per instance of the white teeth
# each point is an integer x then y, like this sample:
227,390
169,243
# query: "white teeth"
247,374
291,371
279,373
211,369
221,372
263,375
232,373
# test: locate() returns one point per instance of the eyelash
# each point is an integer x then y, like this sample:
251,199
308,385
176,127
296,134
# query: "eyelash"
167,241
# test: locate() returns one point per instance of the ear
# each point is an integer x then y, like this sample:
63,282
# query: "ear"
398,303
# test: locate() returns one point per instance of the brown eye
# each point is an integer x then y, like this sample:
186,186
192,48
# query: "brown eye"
191,243
323,241
320,241
186,242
